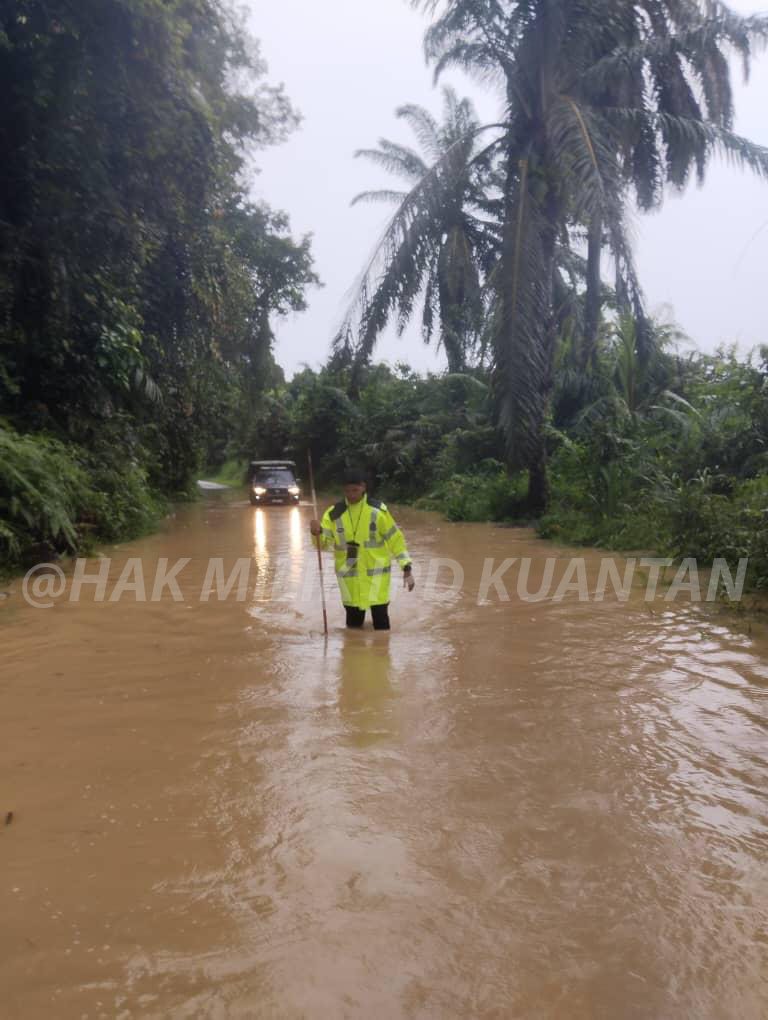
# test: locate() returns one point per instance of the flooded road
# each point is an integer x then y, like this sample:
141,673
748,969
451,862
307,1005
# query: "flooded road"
537,810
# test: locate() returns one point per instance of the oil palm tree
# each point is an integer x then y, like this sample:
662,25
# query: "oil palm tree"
677,49
599,93
438,243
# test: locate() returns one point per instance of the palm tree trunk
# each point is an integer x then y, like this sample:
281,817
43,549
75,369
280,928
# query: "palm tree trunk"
538,485
593,299
454,351
526,340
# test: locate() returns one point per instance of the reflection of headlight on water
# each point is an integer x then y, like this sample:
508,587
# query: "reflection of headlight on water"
297,539
258,491
260,538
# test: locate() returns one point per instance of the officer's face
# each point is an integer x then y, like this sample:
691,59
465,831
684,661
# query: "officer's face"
353,492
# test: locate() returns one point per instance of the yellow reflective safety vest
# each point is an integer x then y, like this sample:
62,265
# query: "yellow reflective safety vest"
365,540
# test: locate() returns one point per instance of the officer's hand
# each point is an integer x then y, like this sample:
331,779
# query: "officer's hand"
408,581
314,527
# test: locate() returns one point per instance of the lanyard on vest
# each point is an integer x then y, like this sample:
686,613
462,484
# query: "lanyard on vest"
359,516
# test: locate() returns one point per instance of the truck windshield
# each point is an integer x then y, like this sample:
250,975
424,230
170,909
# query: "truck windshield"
275,477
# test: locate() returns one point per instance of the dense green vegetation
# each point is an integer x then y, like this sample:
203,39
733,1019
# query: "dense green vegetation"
663,452
137,278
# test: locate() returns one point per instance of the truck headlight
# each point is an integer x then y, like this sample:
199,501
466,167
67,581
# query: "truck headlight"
258,490
294,490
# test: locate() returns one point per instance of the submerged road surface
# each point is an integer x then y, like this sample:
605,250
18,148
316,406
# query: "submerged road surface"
545,810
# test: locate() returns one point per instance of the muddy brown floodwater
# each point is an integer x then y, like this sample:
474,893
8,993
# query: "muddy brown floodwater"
536,810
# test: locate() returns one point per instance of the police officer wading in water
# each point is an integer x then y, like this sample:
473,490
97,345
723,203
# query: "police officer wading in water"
365,540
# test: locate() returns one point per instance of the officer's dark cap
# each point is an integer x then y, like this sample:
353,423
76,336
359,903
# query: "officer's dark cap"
354,475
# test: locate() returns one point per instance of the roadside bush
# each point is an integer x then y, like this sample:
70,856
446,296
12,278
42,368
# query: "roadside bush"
42,489
232,472
707,524
488,494
121,505
752,496
57,498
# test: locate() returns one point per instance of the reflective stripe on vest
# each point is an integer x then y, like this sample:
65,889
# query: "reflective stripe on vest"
342,541
374,542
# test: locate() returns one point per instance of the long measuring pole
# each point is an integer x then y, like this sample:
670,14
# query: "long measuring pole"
319,554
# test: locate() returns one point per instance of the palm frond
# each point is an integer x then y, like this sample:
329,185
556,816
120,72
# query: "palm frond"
395,159
432,240
699,36
686,130
423,125
382,195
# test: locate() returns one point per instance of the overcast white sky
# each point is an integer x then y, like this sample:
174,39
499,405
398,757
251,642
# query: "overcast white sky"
348,64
